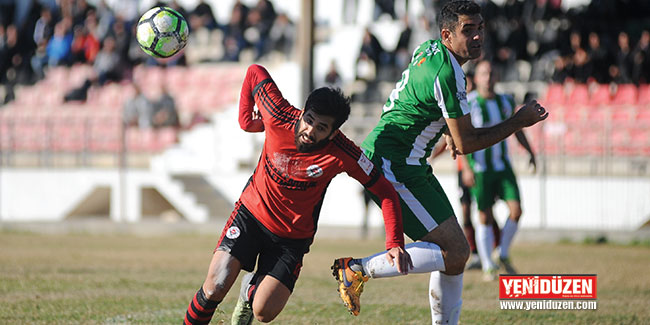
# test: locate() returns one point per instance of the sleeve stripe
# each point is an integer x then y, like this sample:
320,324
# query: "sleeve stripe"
260,84
348,147
355,152
270,106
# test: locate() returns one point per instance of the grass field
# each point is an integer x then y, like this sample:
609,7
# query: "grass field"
108,279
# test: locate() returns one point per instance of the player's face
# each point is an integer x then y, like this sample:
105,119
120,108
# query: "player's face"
313,131
466,41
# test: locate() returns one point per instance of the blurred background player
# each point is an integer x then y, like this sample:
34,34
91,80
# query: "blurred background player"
428,101
465,181
275,220
491,172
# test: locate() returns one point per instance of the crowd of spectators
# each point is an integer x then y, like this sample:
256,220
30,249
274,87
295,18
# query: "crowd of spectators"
67,32
527,40
606,41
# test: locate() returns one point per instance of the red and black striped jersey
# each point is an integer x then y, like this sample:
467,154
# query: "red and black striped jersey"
287,188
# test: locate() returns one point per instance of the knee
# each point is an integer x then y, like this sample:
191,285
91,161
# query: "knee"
456,258
214,289
264,315
515,213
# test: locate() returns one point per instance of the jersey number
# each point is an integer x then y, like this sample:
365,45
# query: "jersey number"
399,86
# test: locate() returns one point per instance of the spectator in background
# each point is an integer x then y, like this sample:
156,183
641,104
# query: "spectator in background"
233,38
641,57
598,58
85,44
384,7
44,27
107,65
623,67
203,16
282,35
333,78
138,111
403,49
259,23
58,48
371,48
164,110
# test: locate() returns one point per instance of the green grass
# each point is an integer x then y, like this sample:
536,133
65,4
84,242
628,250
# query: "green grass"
118,279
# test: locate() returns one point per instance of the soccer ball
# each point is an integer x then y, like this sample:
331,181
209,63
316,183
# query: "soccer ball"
162,32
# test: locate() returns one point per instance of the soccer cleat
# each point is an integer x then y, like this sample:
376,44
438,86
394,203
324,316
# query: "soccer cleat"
242,314
505,262
350,284
474,262
490,274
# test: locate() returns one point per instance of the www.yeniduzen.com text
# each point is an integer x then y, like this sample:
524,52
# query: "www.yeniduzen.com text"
548,304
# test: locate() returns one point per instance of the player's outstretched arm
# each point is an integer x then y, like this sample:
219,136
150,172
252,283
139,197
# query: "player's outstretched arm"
249,119
392,213
468,139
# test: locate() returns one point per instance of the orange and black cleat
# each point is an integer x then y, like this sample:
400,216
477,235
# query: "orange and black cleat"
350,284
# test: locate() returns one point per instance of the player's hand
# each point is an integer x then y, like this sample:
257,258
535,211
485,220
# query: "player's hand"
531,113
451,146
402,257
257,121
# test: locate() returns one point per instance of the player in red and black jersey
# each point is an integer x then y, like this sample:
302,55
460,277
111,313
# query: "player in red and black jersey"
275,220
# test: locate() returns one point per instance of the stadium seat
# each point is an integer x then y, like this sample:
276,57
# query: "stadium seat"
579,95
642,116
620,142
622,115
626,94
554,95
600,96
644,96
640,137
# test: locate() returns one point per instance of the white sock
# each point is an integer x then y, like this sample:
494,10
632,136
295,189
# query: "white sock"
484,243
445,297
426,258
507,234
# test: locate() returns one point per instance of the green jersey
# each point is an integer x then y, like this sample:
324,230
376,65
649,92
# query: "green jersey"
431,89
486,113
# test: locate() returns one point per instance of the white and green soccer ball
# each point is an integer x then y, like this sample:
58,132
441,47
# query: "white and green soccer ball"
162,32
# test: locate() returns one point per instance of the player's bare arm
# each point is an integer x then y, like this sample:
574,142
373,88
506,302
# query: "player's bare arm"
468,139
521,137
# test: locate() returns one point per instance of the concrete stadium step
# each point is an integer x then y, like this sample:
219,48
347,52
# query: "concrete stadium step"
206,195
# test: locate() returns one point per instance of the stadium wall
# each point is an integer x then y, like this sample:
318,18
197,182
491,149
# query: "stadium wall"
586,203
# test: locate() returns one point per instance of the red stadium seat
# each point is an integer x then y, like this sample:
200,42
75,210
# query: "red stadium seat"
600,96
579,95
642,117
644,95
554,95
626,94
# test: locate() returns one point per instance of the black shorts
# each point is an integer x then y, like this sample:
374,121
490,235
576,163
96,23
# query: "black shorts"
249,241
463,191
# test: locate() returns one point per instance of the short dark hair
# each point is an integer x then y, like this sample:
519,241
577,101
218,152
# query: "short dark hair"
448,18
329,102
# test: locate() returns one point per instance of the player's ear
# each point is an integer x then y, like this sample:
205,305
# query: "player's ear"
334,133
445,34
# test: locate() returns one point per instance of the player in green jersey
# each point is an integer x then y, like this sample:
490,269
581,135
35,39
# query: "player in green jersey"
430,100
491,170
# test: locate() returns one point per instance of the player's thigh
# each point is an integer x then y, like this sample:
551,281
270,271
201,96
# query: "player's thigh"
483,190
270,298
507,186
453,244
424,203
222,273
